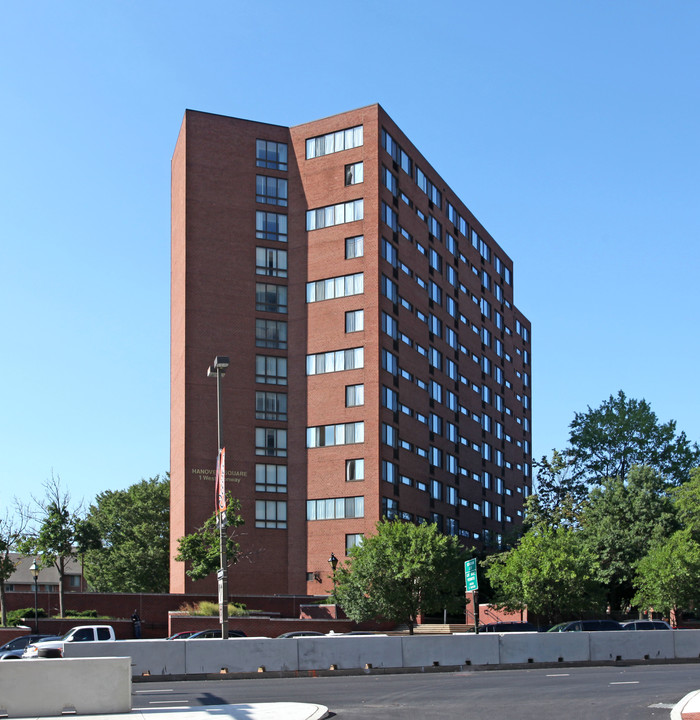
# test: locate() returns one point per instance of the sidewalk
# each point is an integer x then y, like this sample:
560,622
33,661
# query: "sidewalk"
254,711
688,708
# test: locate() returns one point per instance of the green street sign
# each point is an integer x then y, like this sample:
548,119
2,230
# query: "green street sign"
470,579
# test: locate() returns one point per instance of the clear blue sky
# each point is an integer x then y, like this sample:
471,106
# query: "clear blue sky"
570,129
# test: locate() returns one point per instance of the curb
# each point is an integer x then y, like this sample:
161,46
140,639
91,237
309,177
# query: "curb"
411,670
688,708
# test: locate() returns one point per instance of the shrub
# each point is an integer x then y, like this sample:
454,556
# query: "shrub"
15,617
81,613
211,608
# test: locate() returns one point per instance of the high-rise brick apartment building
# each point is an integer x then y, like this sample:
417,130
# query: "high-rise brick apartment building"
379,366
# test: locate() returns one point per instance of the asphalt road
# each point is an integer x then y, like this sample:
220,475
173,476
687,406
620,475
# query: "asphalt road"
592,693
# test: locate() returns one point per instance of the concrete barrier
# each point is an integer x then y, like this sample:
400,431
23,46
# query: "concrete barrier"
686,644
304,654
240,655
148,657
361,651
543,647
464,649
46,688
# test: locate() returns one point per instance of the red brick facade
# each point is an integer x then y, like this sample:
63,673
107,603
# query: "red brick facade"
446,355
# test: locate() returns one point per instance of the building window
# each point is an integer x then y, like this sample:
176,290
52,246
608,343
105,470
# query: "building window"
271,442
389,253
354,247
354,395
390,217
335,508
270,226
271,406
272,155
354,321
270,370
390,508
271,262
271,190
354,174
335,214
334,142
330,435
390,326
390,182
270,514
335,361
270,297
354,469
271,478
271,334
451,526
353,540
336,287
74,580
436,490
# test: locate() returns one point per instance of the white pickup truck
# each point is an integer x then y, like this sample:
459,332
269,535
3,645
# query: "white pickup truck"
82,633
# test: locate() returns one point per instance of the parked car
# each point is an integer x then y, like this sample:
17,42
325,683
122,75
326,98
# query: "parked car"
81,633
182,635
586,626
209,634
301,633
646,625
501,627
13,650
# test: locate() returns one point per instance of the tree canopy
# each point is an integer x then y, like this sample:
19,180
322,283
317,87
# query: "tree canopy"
609,440
134,525
402,570
200,549
11,532
61,533
667,577
620,522
551,572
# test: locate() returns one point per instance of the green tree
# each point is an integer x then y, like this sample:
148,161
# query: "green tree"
609,440
686,499
201,548
560,492
402,570
61,535
620,521
134,526
667,577
11,532
551,572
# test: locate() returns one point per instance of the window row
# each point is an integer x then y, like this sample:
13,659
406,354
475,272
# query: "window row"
271,478
270,297
336,287
271,190
335,508
330,435
335,214
271,155
335,361
270,514
334,142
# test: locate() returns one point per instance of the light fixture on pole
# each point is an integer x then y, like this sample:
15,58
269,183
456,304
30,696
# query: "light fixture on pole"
218,370
34,570
333,561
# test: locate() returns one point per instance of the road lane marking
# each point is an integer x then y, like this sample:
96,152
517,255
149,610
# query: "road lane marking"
626,682
559,675
662,706
136,692
165,702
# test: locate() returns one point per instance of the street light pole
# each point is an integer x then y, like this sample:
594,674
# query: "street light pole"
218,369
333,561
34,570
